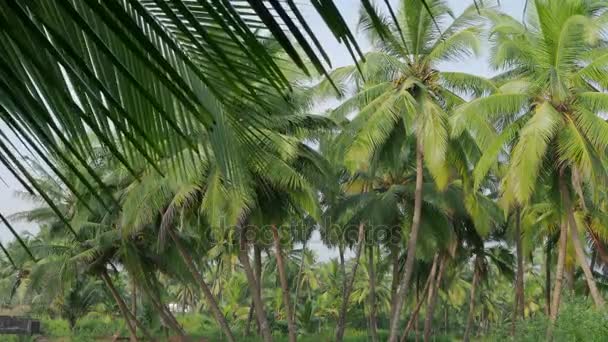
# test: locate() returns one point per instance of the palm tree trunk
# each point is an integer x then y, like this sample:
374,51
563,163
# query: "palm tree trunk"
593,259
395,279
167,317
548,279
578,248
559,276
349,286
249,319
411,248
469,326
433,291
131,324
254,288
291,326
569,277
342,266
580,256
134,302
215,309
172,322
519,282
518,303
592,266
445,319
599,247
373,323
298,280
561,261
257,264
427,284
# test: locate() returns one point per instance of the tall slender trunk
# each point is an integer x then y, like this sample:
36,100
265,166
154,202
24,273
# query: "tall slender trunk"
167,317
257,269
411,247
213,306
165,314
373,322
518,303
599,247
418,300
427,284
131,322
445,319
136,323
433,291
395,278
254,288
173,323
569,277
580,256
519,282
559,274
291,326
548,279
249,319
134,302
349,286
561,260
299,280
342,267
592,266
578,248
469,326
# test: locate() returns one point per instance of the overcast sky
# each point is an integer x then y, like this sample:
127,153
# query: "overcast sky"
339,55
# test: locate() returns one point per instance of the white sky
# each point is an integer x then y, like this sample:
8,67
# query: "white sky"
339,55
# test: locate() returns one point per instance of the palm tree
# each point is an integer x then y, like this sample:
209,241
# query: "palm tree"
77,74
548,110
400,93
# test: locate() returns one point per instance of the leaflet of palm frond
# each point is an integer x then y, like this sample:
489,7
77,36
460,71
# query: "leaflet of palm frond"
41,154
8,256
31,181
395,22
377,23
221,56
175,23
313,37
257,55
17,237
31,53
300,39
27,141
430,12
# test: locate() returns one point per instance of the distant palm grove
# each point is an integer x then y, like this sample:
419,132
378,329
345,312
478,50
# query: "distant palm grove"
179,181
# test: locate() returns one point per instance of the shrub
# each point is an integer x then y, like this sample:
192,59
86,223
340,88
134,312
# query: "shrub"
55,327
197,324
578,321
96,325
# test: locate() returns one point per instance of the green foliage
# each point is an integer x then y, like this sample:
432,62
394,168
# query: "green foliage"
55,327
197,324
173,137
94,325
577,321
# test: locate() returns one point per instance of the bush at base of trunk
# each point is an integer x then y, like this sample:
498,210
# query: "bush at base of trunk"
578,321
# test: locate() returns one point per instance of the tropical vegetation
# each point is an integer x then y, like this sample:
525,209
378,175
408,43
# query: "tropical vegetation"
179,177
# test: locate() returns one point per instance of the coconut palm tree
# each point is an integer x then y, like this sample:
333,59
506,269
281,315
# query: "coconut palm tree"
78,74
548,110
401,93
